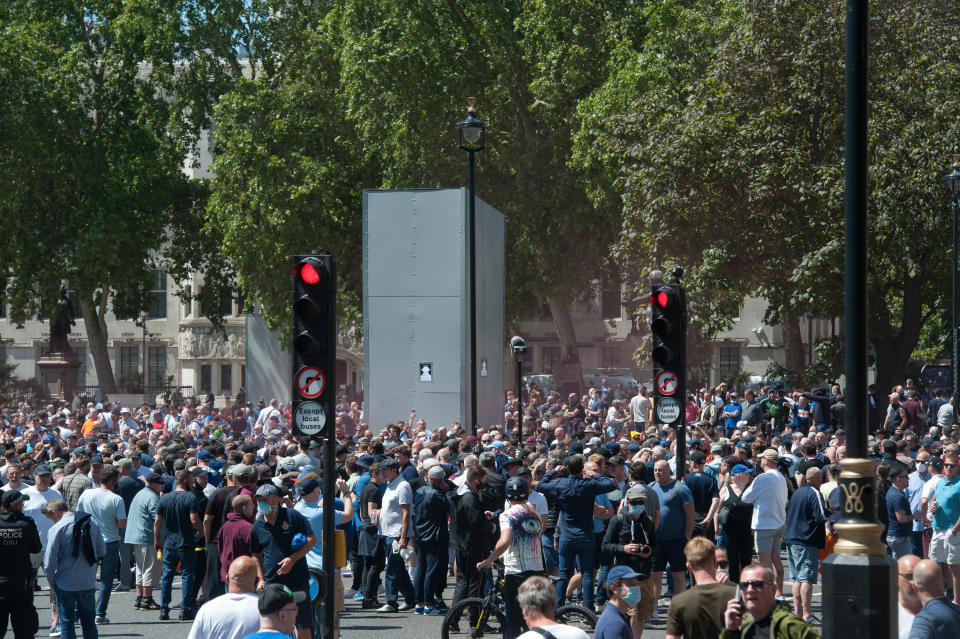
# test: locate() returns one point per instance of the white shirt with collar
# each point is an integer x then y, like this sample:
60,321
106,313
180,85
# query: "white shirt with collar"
768,494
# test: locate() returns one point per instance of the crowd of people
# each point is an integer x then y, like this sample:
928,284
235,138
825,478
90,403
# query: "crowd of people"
583,488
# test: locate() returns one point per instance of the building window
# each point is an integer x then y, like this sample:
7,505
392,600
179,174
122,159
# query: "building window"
3,353
188,305
129,362
226,378
551,356
158,295
610,298
610,357
206,381
225,304
3,308
243,376
729,361
156,366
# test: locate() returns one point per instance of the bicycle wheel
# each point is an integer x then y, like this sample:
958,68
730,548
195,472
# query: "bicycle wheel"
577,616
472,619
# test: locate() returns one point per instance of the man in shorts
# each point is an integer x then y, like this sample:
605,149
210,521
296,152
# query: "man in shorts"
768,494
676,527
805,536
945,543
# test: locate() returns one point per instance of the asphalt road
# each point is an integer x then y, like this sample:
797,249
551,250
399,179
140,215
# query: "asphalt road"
354,624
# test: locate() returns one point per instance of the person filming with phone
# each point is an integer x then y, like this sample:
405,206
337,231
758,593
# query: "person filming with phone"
756,612
631,539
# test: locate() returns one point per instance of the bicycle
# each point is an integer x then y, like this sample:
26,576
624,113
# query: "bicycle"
487,615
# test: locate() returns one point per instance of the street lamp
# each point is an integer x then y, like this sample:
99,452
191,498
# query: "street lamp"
953,185
519,348
471,134
144,316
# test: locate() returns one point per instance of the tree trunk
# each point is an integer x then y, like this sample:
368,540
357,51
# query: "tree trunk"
894,346
793,345
96,326
569,373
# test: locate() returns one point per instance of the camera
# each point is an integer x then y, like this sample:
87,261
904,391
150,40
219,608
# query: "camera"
644,548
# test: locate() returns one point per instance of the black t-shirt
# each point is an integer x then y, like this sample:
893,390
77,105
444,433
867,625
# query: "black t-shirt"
806,464
275,542
128,487
760,629
175,508
704,489
218,506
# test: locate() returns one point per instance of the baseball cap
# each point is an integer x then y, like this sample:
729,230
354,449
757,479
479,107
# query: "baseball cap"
364,461
240,469
266,490
308,485
200,471
154,478
739,468
636,492
204,455
771,454
42,469
497,444
716,448
276,596
123,463
96,460
390,462
11,498
620,572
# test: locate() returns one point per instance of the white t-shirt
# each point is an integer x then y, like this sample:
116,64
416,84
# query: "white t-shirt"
229,616
35,500
536,501
927,493
559,631
904,621
524,552
768,494
397,494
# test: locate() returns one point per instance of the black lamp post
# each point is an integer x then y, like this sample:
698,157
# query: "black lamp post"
471,134
519,348
953,185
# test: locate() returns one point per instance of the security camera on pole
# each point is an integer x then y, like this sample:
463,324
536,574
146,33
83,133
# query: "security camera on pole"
668,328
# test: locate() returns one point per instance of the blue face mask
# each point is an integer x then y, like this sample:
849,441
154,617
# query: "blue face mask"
633,596
636,511
264,508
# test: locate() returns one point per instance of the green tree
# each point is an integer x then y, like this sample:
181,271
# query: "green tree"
743,176
91,175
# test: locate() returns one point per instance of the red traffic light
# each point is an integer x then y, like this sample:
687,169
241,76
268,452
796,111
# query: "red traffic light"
311,273
663,298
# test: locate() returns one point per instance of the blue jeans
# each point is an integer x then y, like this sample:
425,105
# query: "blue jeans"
551,560
108,570
397,580
187,557
69,604
428,572
572,552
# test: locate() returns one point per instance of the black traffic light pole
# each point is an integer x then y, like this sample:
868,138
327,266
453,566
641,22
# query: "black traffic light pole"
313,415
859,587
668,331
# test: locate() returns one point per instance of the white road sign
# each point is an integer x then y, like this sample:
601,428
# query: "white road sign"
310,418
668,410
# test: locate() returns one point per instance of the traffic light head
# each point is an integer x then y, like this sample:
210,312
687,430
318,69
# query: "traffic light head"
666,325
314,343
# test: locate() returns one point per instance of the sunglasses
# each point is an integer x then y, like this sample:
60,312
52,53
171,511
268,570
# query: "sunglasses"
756,585
949,465
637,503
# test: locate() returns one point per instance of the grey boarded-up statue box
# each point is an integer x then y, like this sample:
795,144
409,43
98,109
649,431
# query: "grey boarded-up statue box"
416,307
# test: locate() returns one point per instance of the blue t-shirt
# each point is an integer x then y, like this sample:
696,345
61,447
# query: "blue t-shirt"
939,619
673,518
598,524
275,541
731,414
313,512
896,500
948,498
801,416
267,635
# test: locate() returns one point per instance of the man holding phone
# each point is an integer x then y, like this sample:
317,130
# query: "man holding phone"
756,613
631,539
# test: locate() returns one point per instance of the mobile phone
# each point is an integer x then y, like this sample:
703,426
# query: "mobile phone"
739,600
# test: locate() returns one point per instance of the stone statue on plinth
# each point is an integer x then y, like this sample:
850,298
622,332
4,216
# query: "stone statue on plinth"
59,365
61,324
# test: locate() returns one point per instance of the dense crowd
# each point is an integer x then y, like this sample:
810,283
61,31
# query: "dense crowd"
584,488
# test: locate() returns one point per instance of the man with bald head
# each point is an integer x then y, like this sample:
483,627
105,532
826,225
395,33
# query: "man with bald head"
939,618
235,614
908,602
